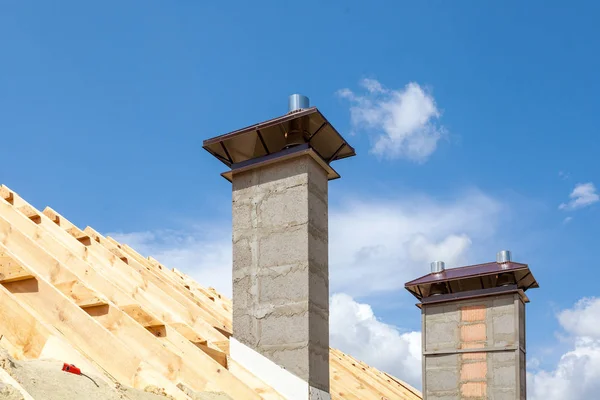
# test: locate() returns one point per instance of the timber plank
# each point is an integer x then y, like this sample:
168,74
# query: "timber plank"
115,321
222,319
130,280
10,271
150,275
155,312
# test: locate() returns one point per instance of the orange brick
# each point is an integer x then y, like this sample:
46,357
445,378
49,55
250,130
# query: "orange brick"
472,313
472,345
473,389
473,333
474,356
473,371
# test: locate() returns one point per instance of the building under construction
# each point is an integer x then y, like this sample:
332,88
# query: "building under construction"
137,328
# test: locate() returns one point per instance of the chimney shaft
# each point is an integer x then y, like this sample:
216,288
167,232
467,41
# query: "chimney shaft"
280,246
280,266
473,335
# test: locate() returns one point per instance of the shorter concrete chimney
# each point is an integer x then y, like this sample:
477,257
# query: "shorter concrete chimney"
473,329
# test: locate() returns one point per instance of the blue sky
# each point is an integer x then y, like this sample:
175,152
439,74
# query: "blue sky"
104,108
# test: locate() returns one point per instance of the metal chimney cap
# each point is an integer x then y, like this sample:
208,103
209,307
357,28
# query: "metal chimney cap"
297,102
437,267
503,257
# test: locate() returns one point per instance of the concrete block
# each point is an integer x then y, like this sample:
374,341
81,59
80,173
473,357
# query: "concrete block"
504,330
245,328
441,361
318,326
521,310
318,291
447,312
283,248
283,329
503,394
293,359
435,396
503,357
504,376
442,379
503,304
283,284
440,335
242,216
318,252
242,290
319,366
280,209
243,255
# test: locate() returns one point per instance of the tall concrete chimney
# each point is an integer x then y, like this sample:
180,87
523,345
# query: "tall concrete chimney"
279,171
473,330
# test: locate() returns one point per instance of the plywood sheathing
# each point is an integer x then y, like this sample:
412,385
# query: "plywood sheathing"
75,295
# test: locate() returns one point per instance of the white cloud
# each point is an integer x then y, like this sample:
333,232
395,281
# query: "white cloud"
567,220
582,319
564,175
403,121
355,330
394,240
202,252
583,195
577,374
378,245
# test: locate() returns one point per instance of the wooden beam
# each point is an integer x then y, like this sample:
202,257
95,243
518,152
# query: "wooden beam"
80,236
142,316
186,360
30,213
216,355
199,314
114,327
25,333
53,215
222,319
6,194
12,271
82,295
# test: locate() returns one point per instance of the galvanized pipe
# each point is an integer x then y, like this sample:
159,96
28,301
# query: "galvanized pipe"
298,102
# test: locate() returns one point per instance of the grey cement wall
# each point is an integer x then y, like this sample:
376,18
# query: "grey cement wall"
474,349
280,266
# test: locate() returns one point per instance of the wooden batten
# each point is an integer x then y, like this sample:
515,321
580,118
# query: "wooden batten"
30,213
71,294
80,236
83,296
12,271
7,194
53,215
216,355
142,316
